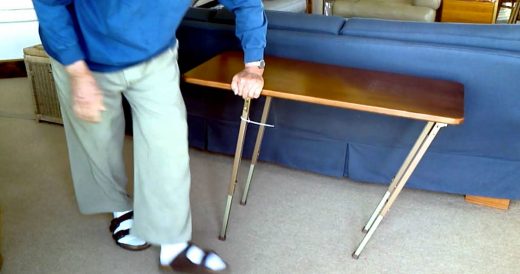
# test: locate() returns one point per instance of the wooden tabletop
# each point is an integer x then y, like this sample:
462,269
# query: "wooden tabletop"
372,91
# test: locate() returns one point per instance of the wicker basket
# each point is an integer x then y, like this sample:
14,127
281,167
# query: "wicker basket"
38,67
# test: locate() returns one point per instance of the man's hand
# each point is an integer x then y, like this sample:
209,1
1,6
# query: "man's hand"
87,98
248,83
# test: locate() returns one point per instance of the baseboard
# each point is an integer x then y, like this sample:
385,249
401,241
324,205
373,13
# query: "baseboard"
489,202
12,69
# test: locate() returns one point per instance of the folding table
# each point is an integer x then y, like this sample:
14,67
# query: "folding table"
438,102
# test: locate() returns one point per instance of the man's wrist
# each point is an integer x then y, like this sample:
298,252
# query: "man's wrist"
256,67
255,70
78,69
259,64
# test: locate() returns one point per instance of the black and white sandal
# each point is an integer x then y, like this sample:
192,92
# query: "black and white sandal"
120,234
182,264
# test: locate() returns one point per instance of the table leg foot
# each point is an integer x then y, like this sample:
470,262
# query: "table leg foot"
367,237
243,201
225,221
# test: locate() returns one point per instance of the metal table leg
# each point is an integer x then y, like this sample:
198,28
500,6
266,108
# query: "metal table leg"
421,146
236,164
256,151
399,175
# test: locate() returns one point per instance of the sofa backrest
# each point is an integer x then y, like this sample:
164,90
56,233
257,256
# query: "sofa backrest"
277,20
305,22
217,28
501,37
200,14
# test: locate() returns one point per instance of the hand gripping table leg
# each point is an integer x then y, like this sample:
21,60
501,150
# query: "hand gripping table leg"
421,145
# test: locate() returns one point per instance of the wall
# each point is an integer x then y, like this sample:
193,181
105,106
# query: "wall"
18,28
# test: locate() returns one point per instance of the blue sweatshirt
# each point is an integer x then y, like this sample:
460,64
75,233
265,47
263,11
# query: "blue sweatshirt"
113,34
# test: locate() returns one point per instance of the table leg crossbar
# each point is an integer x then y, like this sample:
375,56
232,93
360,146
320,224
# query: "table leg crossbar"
416,153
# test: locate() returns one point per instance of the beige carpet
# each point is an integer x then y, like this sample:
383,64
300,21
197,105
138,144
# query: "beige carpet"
295,222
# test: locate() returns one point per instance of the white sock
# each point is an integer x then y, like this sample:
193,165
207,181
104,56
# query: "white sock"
194,254
170,251
215,263
128,239
118,214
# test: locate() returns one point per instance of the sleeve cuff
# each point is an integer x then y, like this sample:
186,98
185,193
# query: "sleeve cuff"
253,55
66,56
71,55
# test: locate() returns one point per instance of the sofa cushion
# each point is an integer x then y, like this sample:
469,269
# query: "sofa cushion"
300,22
224,16
434,4
502,37
199,14
303,22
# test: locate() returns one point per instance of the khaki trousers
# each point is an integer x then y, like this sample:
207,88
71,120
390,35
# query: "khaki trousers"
161,163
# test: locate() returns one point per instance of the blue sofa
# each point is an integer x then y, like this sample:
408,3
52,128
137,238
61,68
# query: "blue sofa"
480,157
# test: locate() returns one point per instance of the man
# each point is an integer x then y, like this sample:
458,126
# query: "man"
101,49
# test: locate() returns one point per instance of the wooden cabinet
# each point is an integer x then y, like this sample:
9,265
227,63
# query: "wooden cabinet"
469,11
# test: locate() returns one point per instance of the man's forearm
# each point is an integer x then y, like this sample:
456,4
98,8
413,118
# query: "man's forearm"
57,30
251,27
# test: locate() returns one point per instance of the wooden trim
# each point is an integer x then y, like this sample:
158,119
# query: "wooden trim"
495,12
469,11
12,69
308,7
489,202
513,17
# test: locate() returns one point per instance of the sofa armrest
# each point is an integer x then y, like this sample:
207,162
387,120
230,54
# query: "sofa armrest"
434,4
